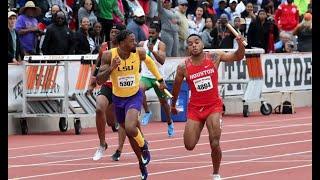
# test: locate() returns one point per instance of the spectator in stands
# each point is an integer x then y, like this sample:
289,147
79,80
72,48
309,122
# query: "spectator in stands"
47,20
138,26
232,9
286,48
87,10
248,16
183,26
58,37
153,13
221,9
44,6
15,53
27,27
106,8
97,36
116,18
169,27
239,25
263,33
197,23
207,9
205,35
145,6
284,37
83,43
224,36
287,16
304,33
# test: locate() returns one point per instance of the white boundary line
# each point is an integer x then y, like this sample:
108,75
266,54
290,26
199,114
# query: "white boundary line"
160,149
170,139
147,134
199,167
269,171
179,157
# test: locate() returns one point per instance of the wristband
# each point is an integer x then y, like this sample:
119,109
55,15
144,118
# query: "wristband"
160,80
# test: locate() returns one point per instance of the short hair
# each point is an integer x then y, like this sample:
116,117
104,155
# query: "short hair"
155,26
123,35
191,35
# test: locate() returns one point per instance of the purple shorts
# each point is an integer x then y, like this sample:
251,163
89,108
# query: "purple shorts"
123,104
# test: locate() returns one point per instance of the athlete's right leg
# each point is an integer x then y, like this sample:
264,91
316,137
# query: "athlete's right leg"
101,106
144,86
192,133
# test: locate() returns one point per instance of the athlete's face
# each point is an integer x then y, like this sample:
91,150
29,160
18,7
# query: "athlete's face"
113,34
130,43
195,45
153,33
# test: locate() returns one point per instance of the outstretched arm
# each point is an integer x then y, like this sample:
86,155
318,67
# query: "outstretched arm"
149,63
234,56
180,74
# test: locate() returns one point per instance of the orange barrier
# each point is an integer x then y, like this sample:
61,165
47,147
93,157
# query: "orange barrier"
254,66
83,76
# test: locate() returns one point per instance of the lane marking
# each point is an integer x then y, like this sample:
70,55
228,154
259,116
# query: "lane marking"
178,157
148,134
169,139
269,171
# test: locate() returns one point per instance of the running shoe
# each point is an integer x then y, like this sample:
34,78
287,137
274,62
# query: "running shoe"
216,177
171,130
146,118
145,154
116,155
100,152
143,170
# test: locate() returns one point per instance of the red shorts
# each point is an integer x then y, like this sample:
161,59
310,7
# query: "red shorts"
201,113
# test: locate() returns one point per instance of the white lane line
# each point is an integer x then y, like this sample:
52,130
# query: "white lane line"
169,139
269,171
148,134
176,162
206,166
179,157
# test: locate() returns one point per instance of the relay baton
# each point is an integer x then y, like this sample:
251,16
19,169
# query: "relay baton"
234,32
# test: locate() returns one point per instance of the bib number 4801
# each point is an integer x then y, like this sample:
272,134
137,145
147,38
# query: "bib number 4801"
203,84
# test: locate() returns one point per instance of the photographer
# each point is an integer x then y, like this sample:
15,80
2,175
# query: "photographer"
286,48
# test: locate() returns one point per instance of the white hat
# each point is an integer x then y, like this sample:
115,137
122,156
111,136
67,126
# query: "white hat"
231,1
11,13
139,12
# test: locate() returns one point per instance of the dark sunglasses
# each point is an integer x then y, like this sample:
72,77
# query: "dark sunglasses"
184,4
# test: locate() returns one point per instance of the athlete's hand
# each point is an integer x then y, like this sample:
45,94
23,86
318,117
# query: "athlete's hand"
162,86
174,110
92,85
115,62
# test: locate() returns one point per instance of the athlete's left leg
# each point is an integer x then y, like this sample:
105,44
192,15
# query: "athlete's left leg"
214,128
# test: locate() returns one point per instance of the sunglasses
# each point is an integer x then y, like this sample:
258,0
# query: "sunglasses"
183,4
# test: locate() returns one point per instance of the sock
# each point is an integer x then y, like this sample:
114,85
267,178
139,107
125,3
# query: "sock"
139,139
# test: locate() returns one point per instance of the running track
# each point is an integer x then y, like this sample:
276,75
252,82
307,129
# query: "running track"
260,147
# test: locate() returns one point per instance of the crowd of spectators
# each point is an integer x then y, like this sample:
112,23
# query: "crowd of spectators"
55,27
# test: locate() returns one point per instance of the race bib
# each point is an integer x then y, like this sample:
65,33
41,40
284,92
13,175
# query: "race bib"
203,84
126,81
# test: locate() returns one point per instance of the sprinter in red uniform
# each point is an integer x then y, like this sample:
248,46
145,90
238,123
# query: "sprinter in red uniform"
205,106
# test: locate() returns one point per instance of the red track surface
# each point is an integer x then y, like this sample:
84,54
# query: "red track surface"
259,147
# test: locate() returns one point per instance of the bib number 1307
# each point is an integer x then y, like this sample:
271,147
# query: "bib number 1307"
203,84
126,81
